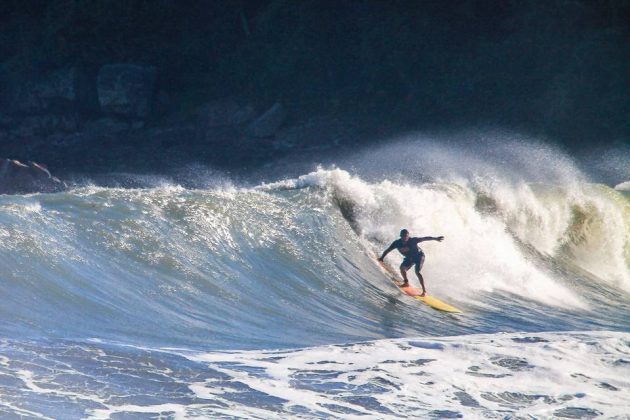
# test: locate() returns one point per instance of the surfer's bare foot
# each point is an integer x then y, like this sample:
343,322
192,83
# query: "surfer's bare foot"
405,284
423,294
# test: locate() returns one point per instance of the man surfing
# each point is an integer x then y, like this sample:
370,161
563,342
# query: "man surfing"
408,247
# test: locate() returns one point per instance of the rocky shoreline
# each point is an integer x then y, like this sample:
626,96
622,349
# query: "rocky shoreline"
22,178
114,122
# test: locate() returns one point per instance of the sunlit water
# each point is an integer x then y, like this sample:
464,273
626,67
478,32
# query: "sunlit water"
265,301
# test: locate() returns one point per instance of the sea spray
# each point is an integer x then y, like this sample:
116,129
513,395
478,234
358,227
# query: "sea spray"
162,300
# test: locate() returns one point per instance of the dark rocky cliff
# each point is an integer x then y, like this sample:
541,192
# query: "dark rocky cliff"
97,86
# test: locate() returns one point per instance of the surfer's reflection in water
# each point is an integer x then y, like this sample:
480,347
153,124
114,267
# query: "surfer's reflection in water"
408,247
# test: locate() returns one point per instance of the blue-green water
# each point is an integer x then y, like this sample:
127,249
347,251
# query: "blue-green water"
120,302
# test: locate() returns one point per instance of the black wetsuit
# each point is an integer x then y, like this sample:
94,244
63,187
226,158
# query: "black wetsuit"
411,252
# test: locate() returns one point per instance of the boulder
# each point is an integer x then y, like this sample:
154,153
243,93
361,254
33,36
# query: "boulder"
58,91
19,178
316,133
224,112
126,90
43,125
106,126
172,136
268,123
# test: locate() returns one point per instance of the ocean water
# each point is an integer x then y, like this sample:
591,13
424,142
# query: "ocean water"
262,299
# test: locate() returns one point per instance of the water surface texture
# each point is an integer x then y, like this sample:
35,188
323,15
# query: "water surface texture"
264,300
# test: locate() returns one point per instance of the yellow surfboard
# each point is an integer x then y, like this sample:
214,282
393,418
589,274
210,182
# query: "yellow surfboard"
432,301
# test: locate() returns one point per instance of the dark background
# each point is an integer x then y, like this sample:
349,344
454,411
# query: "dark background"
558,69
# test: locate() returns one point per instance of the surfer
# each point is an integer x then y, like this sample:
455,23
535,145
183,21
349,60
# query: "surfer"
408,247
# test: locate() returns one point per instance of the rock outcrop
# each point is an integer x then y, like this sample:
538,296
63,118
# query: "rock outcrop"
268,123
20,178
126,90
224,112
43,125
316,133
59,91
106,126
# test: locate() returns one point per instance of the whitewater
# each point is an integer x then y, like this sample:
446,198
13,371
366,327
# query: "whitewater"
262,298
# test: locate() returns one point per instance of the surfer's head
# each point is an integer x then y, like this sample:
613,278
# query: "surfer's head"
404,234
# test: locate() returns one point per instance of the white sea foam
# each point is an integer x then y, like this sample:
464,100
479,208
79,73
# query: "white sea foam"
135,262
528,241
539,375
478,254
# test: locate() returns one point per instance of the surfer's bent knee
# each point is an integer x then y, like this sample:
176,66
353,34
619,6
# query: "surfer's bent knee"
419,263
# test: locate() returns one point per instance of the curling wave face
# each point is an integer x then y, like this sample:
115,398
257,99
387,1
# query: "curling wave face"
290,263
161,301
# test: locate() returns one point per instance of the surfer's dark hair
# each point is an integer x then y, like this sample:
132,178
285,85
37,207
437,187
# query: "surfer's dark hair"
403,232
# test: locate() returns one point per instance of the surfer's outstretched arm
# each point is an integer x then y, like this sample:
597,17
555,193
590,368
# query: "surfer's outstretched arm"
387,251
431,238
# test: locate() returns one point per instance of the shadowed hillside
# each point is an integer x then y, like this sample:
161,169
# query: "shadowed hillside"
556,69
